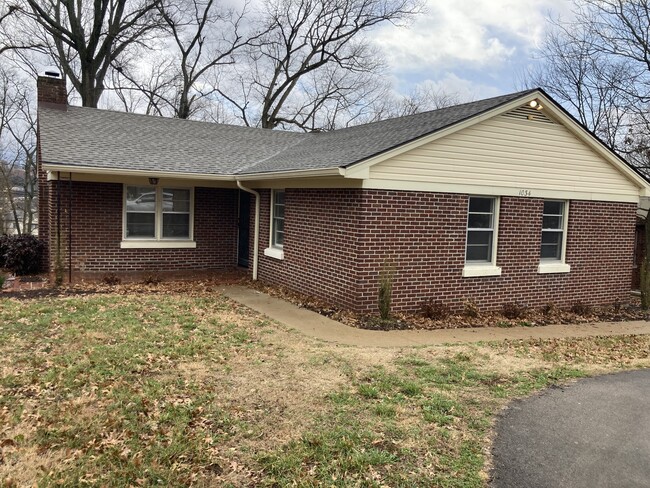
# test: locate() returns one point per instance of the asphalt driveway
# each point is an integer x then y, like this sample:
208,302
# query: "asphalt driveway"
593,433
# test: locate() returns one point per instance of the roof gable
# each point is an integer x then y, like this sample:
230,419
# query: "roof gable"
522,151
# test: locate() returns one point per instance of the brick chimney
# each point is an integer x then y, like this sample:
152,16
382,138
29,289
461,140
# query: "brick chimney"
51,89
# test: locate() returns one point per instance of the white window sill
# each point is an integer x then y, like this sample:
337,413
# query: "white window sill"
274,252
151,244
553,267
481,270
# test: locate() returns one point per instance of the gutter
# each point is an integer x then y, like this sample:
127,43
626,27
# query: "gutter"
256,239
307,173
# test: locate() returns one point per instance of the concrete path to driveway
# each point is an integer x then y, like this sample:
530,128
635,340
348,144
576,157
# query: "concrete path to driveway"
315,325
594,433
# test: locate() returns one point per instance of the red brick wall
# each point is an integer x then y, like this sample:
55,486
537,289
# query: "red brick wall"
97,232
320,246
337,240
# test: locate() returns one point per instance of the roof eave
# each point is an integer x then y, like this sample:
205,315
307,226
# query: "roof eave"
68,168
304,173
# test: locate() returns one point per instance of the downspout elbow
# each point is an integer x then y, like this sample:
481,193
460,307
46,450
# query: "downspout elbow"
256,232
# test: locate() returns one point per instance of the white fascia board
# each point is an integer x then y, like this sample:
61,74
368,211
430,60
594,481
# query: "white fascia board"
274,175
132,172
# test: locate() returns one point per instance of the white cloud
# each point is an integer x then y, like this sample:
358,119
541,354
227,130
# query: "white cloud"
483,37
452,84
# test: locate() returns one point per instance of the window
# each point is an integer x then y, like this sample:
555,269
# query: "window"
554,219
176,214
480,250
140,212
480,230
157,215
277,225
276,231
552,230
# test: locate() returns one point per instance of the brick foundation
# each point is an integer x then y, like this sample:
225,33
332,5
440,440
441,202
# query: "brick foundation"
337,240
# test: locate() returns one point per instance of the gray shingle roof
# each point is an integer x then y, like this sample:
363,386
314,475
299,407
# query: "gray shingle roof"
115,140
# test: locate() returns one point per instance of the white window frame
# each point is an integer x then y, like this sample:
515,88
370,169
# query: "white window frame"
552,265
274,250
158,242
476,269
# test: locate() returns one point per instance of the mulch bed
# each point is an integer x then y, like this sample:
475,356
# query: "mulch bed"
529,317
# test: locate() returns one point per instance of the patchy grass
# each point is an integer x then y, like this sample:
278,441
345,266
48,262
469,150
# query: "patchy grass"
185,389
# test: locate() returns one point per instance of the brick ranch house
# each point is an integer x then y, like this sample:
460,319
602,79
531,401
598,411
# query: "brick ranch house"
500,200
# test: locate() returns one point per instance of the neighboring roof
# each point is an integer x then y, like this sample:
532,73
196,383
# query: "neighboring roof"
99,139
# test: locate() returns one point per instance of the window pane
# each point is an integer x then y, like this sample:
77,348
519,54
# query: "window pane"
140,224
279,197
480,204
176,200
479,237
553,207
478,253
479,221
176,225
279,224
551,251
479,246
551,237
140,199
551,245
552,222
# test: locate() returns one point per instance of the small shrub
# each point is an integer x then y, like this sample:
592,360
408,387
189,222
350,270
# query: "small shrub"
386,277
3,278
549,309
514,310
151,279
23,254
470,309
111,279
581,308
617,305
435,310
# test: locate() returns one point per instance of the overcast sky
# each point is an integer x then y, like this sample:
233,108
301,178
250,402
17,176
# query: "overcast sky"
476,48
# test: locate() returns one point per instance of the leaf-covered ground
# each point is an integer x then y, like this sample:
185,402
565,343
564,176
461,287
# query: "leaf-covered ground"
185,388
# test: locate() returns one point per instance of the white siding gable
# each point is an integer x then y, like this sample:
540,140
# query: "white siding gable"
521,152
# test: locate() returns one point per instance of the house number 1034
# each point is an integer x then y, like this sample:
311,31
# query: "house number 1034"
525,193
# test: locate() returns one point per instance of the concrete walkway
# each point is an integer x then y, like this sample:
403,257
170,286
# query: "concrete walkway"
315,325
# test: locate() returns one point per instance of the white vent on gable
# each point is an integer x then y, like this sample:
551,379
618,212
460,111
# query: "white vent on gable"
526,112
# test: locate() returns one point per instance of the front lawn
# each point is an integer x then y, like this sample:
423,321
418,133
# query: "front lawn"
174,389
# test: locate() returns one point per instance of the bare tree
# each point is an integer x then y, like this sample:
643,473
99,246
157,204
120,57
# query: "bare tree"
203,37
85,38
313,55
598,65
17,153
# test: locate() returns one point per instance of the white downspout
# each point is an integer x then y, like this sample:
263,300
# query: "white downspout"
256,239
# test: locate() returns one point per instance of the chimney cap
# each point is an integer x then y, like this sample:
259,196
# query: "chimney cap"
52,72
